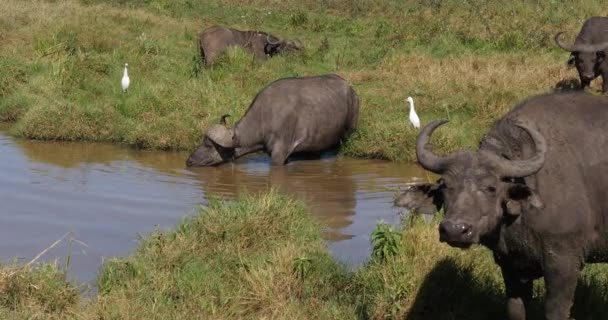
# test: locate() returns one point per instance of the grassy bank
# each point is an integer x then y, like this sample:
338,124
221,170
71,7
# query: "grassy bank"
469,61
262,257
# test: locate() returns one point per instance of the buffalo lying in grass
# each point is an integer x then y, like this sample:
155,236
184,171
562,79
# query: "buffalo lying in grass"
214,40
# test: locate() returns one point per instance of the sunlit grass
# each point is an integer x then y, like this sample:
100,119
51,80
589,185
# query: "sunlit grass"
61,64
259,257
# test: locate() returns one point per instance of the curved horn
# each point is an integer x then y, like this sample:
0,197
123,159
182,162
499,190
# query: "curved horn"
523,168
270,42
223,119
560,44
221,135
579,47
298,43
427,158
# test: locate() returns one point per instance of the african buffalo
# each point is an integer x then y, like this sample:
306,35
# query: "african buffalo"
216,39
588,53
290,115
534,193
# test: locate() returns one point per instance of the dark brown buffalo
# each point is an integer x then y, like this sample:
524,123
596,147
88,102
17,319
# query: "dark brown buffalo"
214,40
588,53
534,193
291,115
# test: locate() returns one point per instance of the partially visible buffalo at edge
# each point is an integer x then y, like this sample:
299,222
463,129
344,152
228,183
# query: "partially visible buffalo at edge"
588,53
534,193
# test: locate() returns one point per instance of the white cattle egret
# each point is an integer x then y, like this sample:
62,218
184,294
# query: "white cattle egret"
125,79
413,116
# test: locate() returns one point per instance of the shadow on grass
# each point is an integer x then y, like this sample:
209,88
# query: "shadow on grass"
452,292
568,85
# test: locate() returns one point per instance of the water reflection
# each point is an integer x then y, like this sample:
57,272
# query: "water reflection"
108,195
327,186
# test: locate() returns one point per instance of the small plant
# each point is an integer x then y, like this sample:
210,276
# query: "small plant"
72,46
301,267
115,274
323,49
147,45
62,41
197,65
385,242
299,19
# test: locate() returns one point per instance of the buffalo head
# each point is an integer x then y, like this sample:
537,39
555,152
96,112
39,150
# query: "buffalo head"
275,45
478,190
586,57
217,146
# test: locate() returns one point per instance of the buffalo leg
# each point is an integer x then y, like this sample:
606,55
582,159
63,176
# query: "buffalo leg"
561,275
519,295
239,152
278,155
585,83
605,83
210,59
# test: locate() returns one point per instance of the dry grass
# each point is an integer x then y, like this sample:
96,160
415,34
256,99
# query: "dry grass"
471,91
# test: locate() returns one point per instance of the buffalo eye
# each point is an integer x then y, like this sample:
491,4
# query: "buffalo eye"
600,56
445,185
491,189
571,60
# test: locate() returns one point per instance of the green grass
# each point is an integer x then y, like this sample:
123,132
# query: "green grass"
262,257
255,258
39,292
469,61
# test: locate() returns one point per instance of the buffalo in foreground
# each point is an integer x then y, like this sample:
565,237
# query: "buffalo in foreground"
214,40
588,53
291,115
534,193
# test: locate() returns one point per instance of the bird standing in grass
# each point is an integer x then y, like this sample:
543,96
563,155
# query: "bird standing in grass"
125,79
413,116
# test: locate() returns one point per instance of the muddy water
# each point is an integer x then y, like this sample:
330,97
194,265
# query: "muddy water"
109,196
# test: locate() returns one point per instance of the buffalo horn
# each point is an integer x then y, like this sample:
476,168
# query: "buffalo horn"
579,47
523,168
221,135
426,157
270,42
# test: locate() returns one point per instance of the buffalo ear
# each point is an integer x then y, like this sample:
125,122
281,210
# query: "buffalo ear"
221,135
513,208
521,197
271,48
223,119
571,60
426,198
